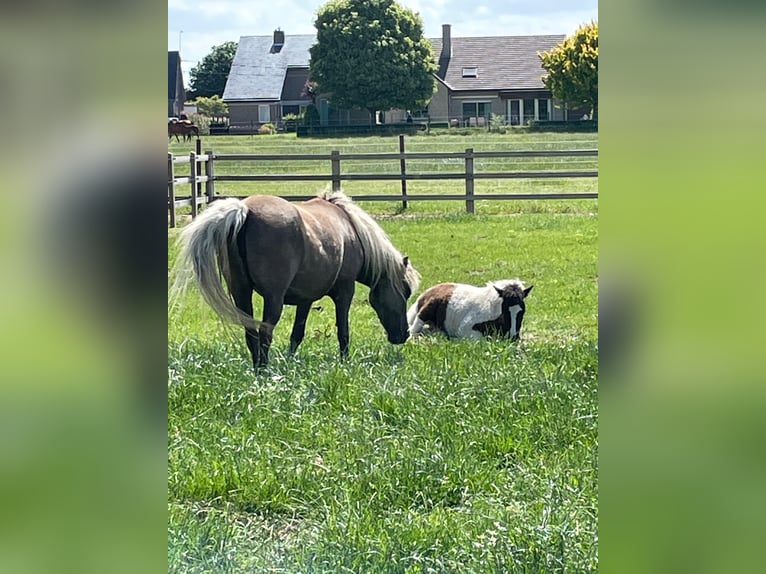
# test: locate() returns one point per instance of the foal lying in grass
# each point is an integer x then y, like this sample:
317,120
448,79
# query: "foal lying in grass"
468,312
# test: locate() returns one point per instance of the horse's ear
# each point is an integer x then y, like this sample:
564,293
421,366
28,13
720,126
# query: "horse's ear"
406,261
527,290
499,291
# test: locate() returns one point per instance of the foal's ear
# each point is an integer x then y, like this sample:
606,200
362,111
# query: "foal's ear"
527,290
406,261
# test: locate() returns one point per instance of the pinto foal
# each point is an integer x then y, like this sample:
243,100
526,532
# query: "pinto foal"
468,312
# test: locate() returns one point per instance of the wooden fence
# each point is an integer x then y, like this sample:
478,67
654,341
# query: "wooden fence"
196,161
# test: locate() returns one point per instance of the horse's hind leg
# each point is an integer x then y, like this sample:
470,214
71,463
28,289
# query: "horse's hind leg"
243,299
272,311
299,326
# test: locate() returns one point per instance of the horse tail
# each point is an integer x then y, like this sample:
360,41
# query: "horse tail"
204,258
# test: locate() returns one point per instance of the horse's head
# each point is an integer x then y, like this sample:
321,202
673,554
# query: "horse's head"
389,299
512,294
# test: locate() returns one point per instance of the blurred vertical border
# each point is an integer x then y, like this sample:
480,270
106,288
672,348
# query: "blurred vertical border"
681,310
83,289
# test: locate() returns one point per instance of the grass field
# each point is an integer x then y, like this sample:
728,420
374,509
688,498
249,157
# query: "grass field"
435,456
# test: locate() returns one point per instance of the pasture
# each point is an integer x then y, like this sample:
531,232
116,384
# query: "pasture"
434,456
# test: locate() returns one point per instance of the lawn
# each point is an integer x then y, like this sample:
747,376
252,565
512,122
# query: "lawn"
434,456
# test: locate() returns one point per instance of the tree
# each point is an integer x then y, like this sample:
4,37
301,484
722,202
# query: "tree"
371,54
211,107
209,77
573,69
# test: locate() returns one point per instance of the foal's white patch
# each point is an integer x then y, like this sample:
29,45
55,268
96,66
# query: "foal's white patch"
514,323
468,306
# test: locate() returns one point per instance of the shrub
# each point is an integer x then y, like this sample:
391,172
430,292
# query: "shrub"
311,117
497,123
267,129
202,122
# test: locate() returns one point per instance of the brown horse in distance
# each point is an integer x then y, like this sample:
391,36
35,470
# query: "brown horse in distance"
183,128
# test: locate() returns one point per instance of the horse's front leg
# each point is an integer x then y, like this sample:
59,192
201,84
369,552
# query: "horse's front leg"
299,326
342,297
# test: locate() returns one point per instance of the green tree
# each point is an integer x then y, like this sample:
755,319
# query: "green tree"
572,68
209,77
372,54
211,107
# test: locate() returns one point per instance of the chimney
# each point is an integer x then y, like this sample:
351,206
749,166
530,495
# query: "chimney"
446,42
279,37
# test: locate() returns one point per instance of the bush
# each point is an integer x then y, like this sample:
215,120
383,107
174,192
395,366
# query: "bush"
563,126
497,123
267,129
202,122
290,122
311,117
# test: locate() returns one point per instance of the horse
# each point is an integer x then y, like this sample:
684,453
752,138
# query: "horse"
184,128
468,312
293,254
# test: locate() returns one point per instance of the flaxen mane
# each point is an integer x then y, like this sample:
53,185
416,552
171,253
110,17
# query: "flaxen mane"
382,259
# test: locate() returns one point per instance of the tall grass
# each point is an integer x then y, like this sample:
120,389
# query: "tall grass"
434,456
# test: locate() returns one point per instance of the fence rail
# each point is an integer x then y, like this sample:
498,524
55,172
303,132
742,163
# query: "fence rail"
196,161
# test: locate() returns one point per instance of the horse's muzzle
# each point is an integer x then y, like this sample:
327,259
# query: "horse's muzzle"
398,339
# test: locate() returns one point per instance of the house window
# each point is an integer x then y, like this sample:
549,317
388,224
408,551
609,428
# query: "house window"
470,72
529,110
514,115
520,112
264,113
542,110
476,113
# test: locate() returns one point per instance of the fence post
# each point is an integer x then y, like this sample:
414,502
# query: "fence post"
171,192
209,186
469,180
403,166
335,159
193,180
198,151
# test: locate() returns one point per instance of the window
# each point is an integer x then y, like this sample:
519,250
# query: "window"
542,110
470,72
264,113
529,110
476,113
520,112
515,114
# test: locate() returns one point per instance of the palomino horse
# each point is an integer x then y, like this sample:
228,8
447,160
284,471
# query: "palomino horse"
183,128
468,312
293,254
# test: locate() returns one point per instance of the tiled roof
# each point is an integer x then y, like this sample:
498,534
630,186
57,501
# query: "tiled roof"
503,62
258,69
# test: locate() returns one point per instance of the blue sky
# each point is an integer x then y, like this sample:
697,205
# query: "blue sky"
198,25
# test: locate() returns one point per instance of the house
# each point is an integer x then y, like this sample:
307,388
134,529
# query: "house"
268,79
481,76
176,92
476,78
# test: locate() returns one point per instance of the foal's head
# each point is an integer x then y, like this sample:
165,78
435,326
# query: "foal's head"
512,293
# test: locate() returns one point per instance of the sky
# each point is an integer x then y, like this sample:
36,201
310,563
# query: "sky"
195,26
